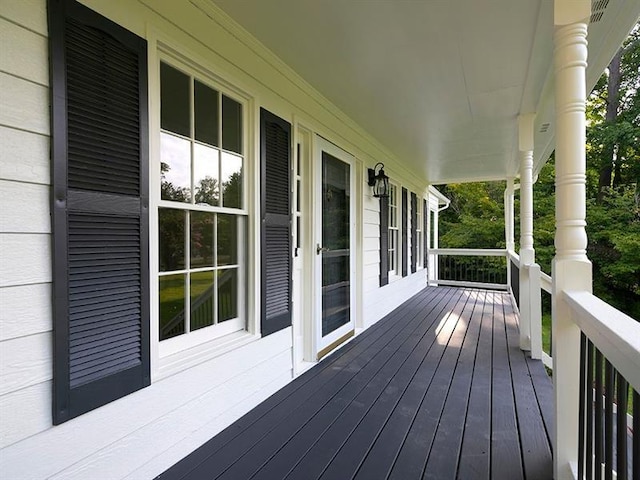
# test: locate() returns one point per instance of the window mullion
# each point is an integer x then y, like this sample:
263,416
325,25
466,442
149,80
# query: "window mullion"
215,268
187,250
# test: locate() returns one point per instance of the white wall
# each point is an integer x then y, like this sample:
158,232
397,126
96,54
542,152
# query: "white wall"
378,301
25,271
146,432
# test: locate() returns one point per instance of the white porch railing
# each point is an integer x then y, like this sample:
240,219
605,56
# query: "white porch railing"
609,366
466,267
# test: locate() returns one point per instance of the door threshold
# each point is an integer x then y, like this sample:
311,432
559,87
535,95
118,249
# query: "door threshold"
329,348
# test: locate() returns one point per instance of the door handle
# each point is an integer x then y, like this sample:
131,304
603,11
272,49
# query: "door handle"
320,249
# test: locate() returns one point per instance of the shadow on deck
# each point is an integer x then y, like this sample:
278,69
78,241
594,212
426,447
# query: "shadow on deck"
437,389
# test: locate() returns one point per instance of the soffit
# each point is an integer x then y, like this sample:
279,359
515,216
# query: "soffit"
438,83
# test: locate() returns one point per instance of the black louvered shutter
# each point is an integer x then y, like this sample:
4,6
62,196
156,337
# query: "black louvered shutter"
425,234
414,232
405,226
384,241
275,165
100,210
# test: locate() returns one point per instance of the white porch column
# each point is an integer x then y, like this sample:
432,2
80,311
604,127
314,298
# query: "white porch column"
571,269
509,216
527,253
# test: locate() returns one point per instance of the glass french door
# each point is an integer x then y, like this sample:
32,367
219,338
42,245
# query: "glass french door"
334,250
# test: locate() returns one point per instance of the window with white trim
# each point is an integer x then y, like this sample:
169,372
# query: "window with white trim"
202,218
419,237
393,230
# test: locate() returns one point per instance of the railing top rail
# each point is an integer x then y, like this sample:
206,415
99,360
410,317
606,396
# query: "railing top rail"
470,252
546,282
615,334
513,255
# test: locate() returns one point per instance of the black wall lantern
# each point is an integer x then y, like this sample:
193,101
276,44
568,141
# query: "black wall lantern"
379,181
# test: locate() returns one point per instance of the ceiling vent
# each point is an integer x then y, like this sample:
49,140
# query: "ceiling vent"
597,9
544,127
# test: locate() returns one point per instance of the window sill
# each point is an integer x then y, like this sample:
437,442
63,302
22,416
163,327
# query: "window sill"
177,362
393,277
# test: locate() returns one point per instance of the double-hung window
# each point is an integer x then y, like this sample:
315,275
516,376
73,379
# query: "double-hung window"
202,216
393,230
419,237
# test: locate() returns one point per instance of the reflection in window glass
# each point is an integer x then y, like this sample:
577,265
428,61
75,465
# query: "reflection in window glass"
205,103
205,175
175,168
231,125
200,261
231,178
227,294
171,239
227,239
202,225
172,306
174,100
202,299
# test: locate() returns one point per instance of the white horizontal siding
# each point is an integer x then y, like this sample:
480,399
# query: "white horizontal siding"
378,302
25,251
25,361
371,216
146,421
371,231
25,105
167,435
24,413
25,208
24,259
164,460
25,310
30,14
24,156
30,61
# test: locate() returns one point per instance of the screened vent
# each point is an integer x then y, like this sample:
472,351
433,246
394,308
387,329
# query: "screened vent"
103,112
277,173
278,268
104,296
544,127
597,10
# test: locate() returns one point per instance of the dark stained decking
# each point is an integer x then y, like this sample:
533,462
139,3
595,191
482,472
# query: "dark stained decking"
437,389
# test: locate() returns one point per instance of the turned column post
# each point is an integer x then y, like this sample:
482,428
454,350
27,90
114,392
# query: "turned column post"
571,269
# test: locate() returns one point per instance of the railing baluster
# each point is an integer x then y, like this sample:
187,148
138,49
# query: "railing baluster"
581,405
598,417
590,412
608,420
621,427
636,435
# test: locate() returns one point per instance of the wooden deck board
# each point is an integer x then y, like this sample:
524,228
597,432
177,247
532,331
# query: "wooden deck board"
315,460
504,427
536,453
436,389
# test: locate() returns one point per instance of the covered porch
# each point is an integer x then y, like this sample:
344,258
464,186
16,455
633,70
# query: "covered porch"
438,388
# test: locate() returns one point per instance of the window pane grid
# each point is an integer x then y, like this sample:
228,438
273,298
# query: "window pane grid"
209,173
200,210
393,229
420,222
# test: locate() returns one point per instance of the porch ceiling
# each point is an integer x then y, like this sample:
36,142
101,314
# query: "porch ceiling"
438,83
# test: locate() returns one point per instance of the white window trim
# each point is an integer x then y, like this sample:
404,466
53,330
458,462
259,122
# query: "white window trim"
396,273
176,354
420,234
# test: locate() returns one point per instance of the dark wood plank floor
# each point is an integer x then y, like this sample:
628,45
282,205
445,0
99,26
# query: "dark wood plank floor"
437,389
